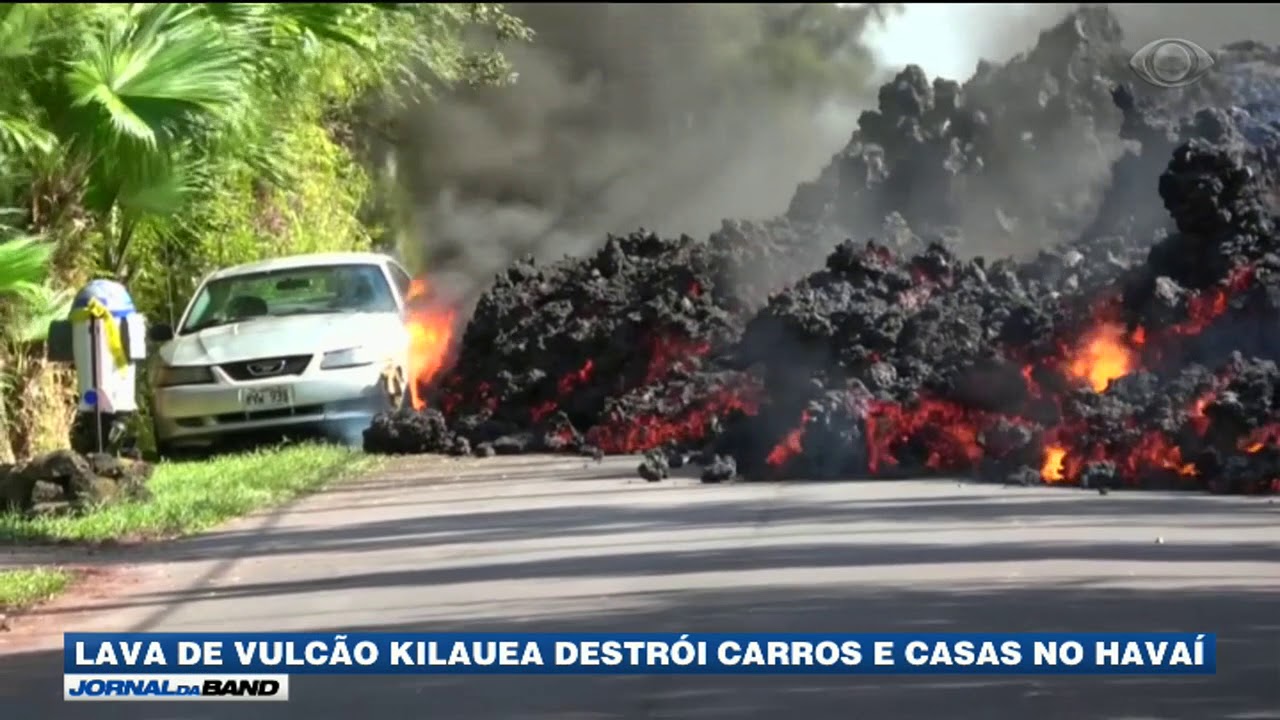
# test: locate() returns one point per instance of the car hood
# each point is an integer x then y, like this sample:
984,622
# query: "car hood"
279,336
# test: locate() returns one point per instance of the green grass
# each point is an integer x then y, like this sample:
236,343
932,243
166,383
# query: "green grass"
188,497
23,588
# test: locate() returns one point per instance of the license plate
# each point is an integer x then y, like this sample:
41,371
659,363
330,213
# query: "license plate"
266,398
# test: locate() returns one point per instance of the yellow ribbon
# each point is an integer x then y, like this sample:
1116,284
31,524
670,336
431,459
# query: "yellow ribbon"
95,310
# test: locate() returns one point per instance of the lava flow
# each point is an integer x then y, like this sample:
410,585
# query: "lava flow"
1102,357
1135,348
430,329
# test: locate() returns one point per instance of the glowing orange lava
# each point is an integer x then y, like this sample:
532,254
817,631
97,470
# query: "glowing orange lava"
948,430
430,329
790,446
1051,470
636,434
1155,450
1102,357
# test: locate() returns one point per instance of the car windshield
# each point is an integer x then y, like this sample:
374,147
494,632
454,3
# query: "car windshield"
297,291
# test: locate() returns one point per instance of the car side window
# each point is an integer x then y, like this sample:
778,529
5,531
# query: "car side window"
402,280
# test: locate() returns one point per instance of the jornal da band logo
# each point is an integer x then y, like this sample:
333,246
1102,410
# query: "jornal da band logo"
175,687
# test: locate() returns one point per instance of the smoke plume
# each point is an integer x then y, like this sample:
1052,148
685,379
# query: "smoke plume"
669,117
673,117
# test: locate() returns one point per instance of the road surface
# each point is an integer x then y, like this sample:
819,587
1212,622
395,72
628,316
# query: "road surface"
556,544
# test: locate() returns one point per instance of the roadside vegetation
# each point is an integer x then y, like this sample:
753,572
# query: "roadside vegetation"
20,589
188,497
151,143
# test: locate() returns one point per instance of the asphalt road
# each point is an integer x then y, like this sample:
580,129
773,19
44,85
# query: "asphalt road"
544,544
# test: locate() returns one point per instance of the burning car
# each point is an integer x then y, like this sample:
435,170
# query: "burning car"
299,342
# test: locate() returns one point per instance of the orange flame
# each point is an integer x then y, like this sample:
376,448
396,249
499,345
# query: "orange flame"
1154,450
1052,468
790,445
1102,357
1260,438
430,336
949,430
624,435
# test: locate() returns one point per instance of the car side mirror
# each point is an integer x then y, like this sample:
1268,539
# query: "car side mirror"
160,333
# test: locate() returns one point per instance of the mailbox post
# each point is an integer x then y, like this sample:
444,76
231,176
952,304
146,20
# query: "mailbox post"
104,338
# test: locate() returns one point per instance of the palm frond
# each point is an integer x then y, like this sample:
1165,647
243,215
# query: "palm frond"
19,136
326,21
21,28
23,262
161,189
41,305
146,73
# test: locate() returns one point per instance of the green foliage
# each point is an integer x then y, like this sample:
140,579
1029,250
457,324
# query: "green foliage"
23,264
29,302
154,142
27,305
188,497
23,587
146,115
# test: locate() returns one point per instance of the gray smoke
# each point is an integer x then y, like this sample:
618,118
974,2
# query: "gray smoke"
624,116
630,115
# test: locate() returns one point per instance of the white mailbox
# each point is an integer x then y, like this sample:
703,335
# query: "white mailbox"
108,340
105,339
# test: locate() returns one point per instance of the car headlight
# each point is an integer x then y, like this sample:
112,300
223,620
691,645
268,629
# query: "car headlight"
347,358
171,375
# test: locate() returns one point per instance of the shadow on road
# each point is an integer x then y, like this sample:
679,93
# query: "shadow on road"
1246,687
498,554
463,520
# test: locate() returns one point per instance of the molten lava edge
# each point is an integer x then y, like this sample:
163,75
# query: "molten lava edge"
1138,353
931,434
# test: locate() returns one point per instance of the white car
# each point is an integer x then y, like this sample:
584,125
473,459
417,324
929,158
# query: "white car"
305,342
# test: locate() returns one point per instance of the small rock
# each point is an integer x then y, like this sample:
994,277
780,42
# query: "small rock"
722,469
676,459
45,491
654,466
460,447
1025,476
513,444
65,480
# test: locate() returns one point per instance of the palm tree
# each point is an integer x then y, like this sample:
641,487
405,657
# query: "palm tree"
28,306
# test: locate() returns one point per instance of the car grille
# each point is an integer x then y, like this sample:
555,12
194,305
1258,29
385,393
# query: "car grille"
263,368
